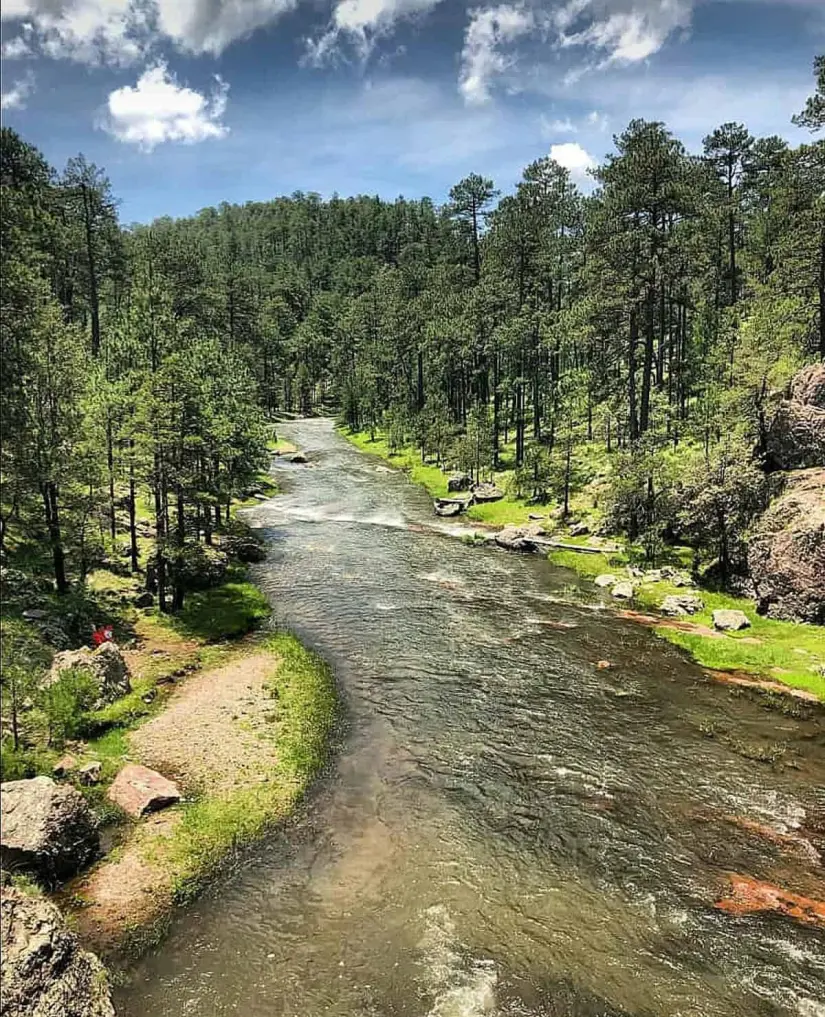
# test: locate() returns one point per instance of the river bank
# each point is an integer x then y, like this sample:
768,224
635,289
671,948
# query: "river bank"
788,654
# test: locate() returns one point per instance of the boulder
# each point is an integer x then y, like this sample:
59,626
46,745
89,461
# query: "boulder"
44,971
446,508
796,438
786,551
681,603
535,516
730,620
297,457
515,538
579,530
64,765
105,664
48,829
487,492
459,482
90,773
138,790
606,579
145,599
622,591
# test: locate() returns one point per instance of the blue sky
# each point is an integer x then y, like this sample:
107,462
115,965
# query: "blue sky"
187,103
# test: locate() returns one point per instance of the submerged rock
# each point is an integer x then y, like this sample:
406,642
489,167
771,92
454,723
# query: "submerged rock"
138,790
297,457
786,553
106,666
48,829
730,620
45,973
681,603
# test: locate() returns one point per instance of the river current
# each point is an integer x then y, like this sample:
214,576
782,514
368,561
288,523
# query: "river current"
504,828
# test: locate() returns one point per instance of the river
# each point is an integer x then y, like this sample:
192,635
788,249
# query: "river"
504,829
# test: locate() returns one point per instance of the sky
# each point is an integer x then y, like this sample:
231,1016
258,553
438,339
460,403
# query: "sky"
188,103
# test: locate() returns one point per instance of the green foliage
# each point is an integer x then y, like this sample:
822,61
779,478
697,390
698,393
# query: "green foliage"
65,703
227,612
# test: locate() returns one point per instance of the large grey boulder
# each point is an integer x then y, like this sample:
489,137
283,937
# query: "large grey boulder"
47,829
730,620
796,439
681,604
622,591
459,482
44,971
516,538
606,579
105,665
786,551
487,492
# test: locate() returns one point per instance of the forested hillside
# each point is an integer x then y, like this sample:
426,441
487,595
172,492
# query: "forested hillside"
654,321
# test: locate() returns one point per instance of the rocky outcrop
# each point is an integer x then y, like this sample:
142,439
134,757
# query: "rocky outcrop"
447,508
796,439
786,552
45,973
106,666
138,790
730,620
48,829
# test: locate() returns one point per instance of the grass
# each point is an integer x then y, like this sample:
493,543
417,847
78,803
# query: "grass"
303,691
225,612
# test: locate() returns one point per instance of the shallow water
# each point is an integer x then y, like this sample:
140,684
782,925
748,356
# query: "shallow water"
505,829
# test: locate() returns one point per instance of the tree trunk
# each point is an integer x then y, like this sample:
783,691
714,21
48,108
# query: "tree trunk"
110,463
50,506
633,420
90,255
133,541
647,367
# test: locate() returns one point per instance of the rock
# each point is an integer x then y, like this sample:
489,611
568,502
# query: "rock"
90,773
730,620
622,591
35,614
105,664
297,457
459,482
43,969
796,439
145,599
64,765
535,516
635,572
487,492
514,538
138,790
681,603
579,530
786,551
48,829
447,508
606,579
603,665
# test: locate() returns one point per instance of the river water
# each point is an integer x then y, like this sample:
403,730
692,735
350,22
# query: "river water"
504,829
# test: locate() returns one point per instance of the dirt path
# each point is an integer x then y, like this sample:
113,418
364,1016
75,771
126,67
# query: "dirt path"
215,736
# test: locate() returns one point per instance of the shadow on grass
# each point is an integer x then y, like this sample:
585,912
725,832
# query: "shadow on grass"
226,612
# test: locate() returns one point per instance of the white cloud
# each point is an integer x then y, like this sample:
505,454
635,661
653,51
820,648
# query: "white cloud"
361,22
552,128
489,29
16,48
626,31
158,109
17,95
574,158
121,32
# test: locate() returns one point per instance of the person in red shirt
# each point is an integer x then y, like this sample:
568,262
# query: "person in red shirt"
104,634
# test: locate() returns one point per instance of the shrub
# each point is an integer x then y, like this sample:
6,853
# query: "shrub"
66,701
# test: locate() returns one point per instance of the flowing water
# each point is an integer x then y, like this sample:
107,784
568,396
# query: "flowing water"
505,829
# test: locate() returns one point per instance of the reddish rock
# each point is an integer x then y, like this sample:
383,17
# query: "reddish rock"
138,790
748,895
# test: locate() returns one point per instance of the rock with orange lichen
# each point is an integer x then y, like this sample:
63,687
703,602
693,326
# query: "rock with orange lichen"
749,896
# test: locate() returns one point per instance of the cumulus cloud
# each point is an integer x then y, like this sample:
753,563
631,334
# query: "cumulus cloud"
574,158
17,95
16,48
158,109
361,23
209,26
489,30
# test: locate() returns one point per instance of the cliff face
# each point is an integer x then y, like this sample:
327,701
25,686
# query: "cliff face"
786,553
796,439
45,972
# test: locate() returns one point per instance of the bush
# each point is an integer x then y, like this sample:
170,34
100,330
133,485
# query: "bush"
66,701
199,566
242,543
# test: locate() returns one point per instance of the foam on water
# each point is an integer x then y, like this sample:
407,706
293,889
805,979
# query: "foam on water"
461,986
